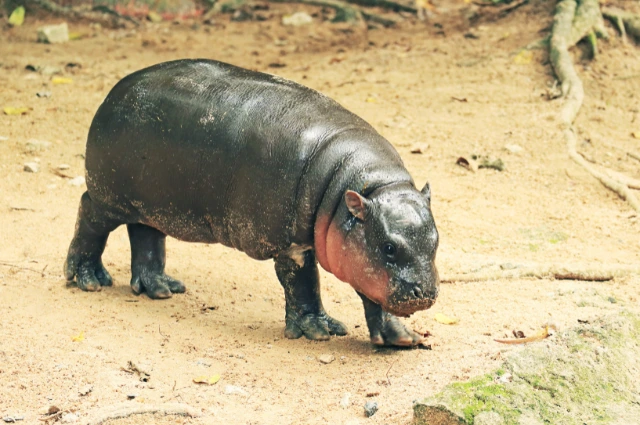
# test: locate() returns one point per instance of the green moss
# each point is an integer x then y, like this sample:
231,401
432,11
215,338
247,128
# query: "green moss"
482,394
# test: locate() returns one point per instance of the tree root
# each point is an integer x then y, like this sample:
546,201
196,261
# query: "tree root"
95,14
124,411
544,272
627,23
570,25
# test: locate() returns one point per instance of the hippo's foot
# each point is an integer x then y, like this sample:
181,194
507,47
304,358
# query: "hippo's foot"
90,274
385,328
317,327
84,261
157,285
147,263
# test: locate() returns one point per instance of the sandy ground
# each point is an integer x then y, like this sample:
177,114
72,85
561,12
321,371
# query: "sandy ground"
543,209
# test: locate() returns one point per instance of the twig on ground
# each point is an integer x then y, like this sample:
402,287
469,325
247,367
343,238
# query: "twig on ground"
124,411
6,264
545,272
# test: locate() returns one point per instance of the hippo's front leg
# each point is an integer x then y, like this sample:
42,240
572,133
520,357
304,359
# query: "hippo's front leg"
305,314
385,328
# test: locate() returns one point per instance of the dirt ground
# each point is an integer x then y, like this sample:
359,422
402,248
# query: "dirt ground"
417,83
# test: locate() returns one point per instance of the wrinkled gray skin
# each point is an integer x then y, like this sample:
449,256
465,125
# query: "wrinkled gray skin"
207,152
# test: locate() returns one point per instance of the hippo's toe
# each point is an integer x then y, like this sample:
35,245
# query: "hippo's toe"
317,327
156,285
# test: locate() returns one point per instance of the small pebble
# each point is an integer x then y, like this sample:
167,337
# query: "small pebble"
85,390
31,167
419,148
232,389
131,396
77,181
34,145
326,358
69,418
513,148
63,167
370,408
3,138
42,94
345,401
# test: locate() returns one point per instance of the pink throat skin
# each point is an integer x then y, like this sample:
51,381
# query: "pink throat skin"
348,262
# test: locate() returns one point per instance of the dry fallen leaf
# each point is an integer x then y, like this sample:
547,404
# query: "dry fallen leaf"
469,164
544,333
209,380
78,338
524,57
10,110
445,320
17,16
61,80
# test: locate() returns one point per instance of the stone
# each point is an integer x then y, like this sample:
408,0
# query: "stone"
69,418
77,181
326,358
234,390
63,167
370,408
34,145
31,167
569,369
345,401
53,33
513,148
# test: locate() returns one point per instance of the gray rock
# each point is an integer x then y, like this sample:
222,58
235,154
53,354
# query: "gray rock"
69,418
234,390
77,181
31,167
345,401
53,33
370,408
34,145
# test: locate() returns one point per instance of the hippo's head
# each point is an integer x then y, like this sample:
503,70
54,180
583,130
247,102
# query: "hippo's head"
384,245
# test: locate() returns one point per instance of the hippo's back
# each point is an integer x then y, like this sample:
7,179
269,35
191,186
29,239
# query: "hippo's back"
205,151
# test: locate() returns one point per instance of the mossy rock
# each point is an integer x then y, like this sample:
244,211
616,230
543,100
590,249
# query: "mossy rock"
586,375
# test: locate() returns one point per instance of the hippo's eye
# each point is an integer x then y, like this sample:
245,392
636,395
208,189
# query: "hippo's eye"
389,251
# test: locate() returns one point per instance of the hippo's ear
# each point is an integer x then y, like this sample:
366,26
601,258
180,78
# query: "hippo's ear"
426,191
356,203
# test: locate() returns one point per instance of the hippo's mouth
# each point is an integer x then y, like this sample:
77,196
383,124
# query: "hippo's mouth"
407,308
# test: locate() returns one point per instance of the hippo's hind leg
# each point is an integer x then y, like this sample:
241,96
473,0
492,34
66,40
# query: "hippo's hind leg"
84,260
148,258
305,314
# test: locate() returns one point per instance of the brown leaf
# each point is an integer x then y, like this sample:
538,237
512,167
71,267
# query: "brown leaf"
469,164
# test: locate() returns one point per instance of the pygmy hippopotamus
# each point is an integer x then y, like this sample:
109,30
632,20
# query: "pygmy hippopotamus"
204,151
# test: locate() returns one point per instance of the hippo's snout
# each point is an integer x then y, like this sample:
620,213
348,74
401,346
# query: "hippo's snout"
409,297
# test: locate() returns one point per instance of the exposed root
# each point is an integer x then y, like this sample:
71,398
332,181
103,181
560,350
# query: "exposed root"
124,411
545,272
627,23
96,14
563,36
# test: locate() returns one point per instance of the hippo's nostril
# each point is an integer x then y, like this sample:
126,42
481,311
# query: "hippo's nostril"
417,292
